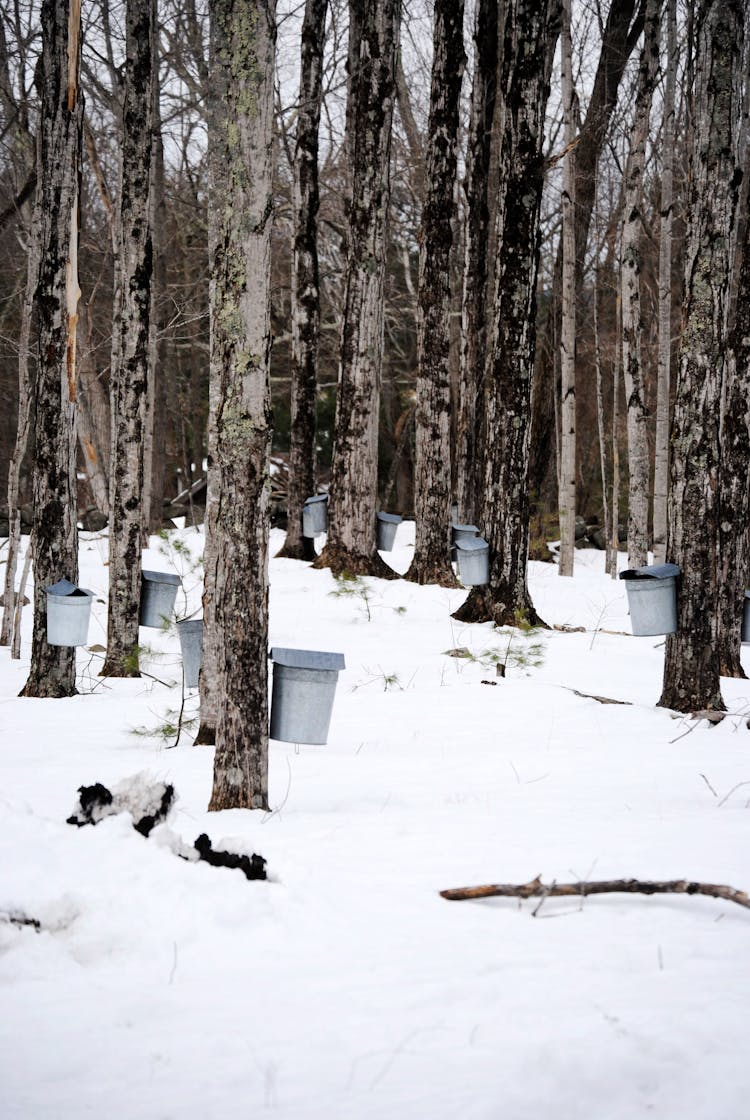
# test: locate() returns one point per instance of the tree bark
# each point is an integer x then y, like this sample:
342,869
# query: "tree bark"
621,33
54,536
530,32
567,488
475,274
22,429
661,452
692,663
354,476
243,36
130,374
432,490
638,415
92,418
305,283
734,523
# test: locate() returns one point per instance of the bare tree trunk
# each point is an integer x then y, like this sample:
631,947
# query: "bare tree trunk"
661,453
243,34
567,489
354,477
305,283
22,431
734,523
155,451
632,324
54,536
621,33
129,378
530,32
475,275
692,663
93,418
600,418
616,378
432,491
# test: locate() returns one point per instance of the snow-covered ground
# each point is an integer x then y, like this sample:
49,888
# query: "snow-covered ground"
345,986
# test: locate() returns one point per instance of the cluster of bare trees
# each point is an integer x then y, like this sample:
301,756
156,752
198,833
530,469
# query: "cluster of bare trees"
548,223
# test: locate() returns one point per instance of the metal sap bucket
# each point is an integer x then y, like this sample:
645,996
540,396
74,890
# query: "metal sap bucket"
388,523
461,533
68,614
473,561
158,593
315,515
191,647
745,637
304,685
652,598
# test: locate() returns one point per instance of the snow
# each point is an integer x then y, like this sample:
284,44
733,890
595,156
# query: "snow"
345,986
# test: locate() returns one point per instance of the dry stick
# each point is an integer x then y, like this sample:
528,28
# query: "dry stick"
537,889
15,649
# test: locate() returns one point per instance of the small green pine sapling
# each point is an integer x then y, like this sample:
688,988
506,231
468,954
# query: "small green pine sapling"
349,586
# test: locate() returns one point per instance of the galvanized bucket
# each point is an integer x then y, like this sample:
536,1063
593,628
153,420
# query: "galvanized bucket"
304,686
388,523
746,619
315,515
191,647
158,593
68,614
652,598
461,533
473,561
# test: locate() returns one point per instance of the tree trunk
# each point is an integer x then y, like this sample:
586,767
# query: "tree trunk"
661,453
638,415
621,32
22,430
692,663
616,379
155,450
243,35
354,476
734,524
475,276
129,379
432,490
93,418
530,32
567,488
305,283
54,536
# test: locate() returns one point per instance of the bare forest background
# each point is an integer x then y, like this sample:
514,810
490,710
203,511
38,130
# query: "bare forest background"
181,277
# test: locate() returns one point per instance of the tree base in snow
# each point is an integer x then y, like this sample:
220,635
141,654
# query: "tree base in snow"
120,666
731,666
482,605
343,562
304,550
437,573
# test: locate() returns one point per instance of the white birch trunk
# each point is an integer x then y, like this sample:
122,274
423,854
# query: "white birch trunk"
567,492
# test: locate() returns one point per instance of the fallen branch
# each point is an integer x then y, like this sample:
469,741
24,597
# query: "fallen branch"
537,889
599,699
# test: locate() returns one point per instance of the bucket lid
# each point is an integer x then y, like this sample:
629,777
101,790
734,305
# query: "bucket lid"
190,623
473,544
747,594
465,529
307,658
161,577
652,571
65,587
316,498
390,518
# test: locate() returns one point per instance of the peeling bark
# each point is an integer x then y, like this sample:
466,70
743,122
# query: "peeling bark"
54,536
432,488
692,663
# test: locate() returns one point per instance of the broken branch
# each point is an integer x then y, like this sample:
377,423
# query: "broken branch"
537,889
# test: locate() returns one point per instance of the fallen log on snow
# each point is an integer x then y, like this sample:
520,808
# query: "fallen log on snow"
537,889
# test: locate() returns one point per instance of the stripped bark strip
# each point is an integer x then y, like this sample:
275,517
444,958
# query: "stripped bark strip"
537,889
